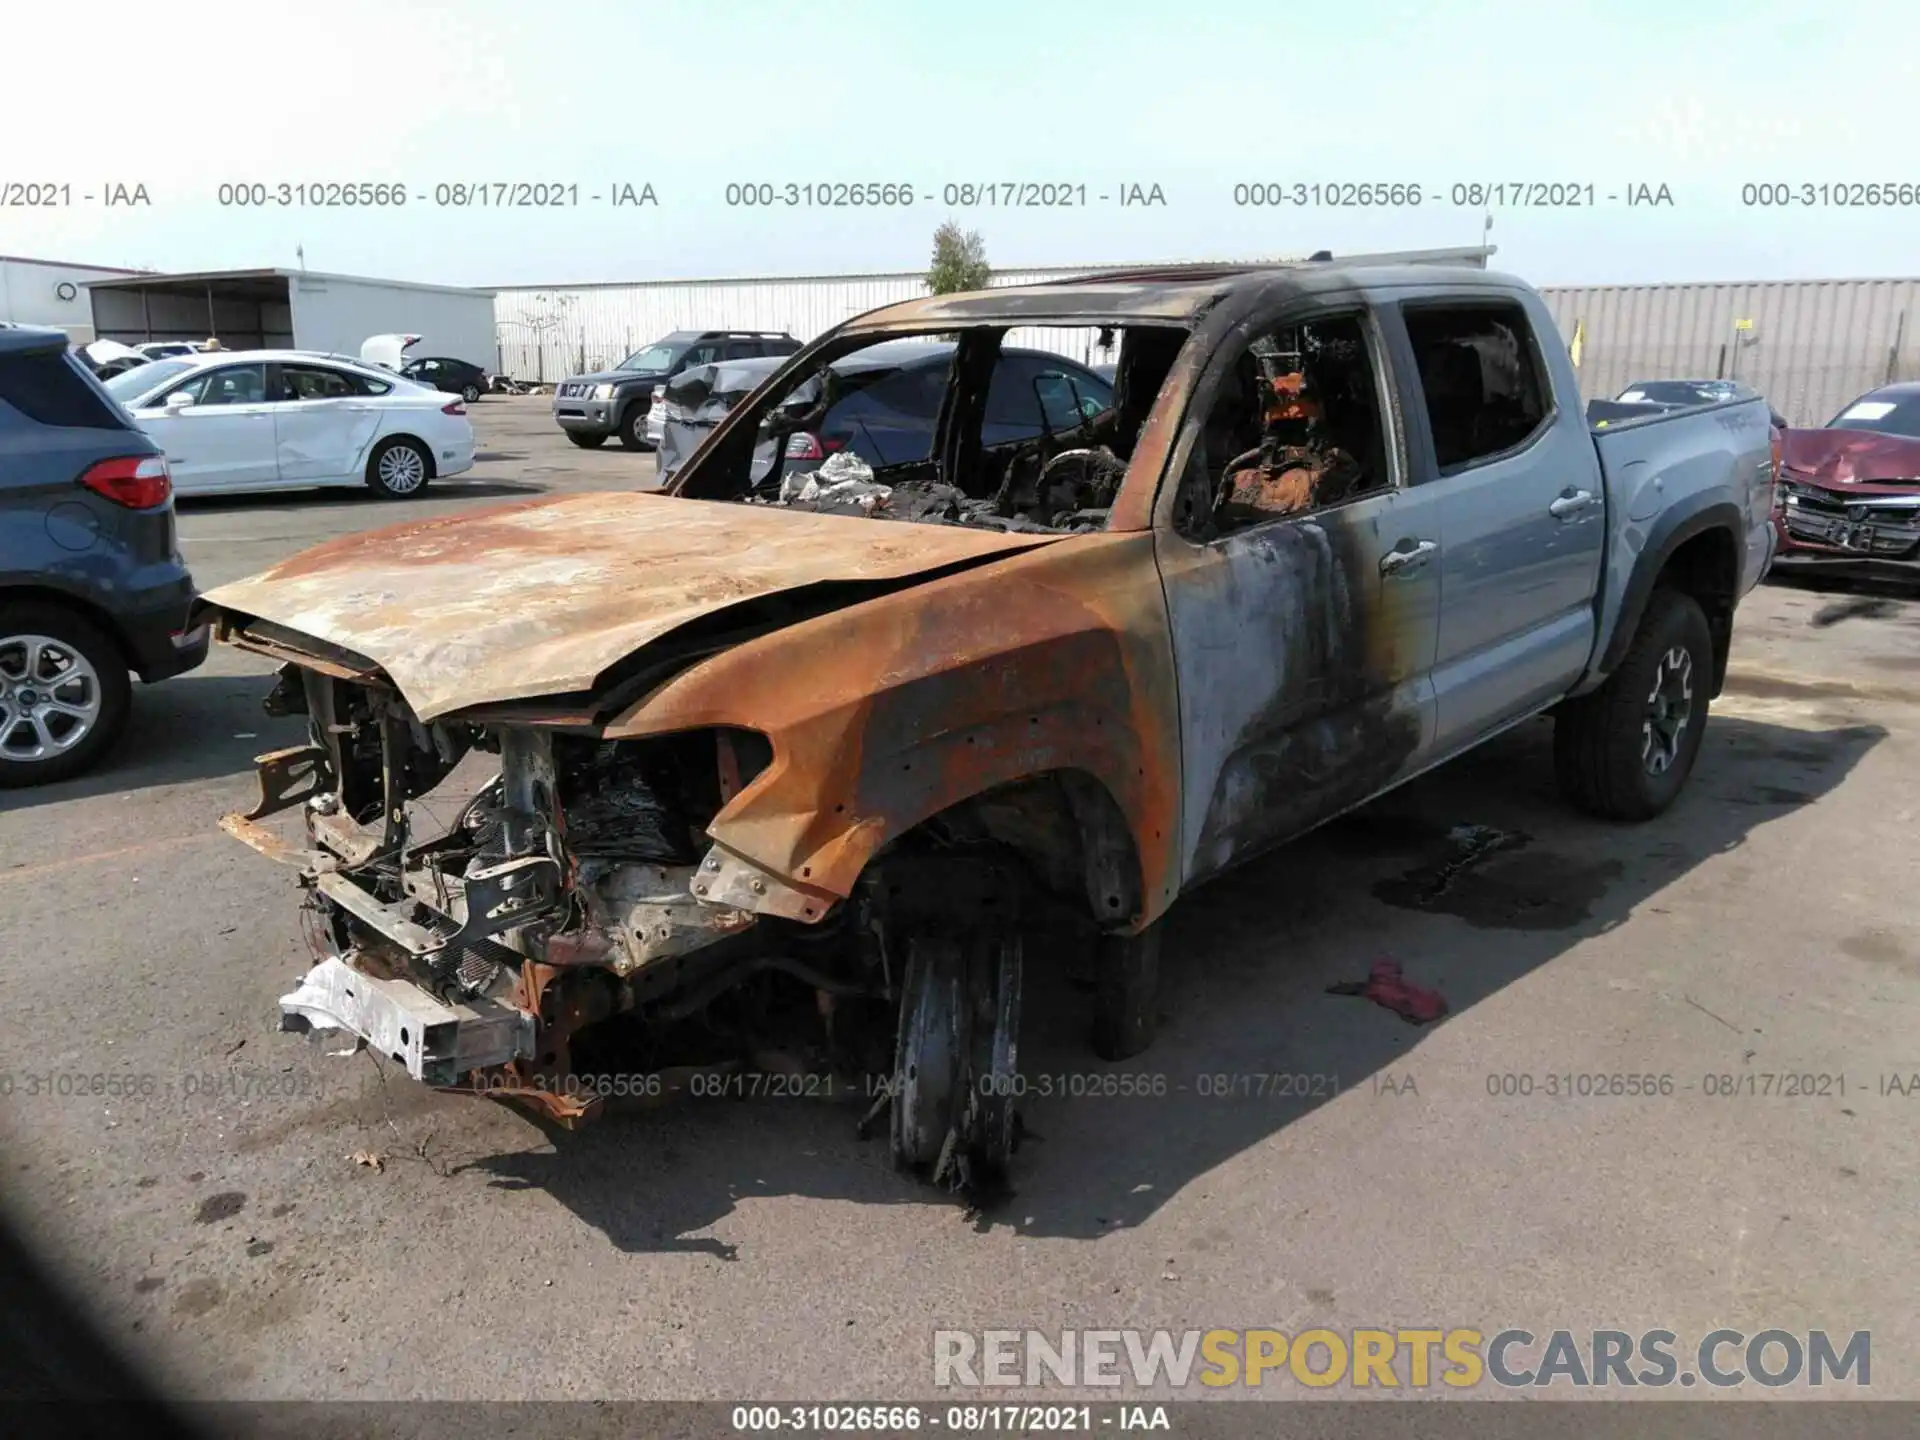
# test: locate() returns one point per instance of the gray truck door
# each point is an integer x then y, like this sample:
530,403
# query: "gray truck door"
1521,503
1302,633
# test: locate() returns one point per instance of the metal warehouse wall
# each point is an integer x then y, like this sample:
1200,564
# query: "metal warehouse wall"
46,292
130,317
334,313
1815,344
546,335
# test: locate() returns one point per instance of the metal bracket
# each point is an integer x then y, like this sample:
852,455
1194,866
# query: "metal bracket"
279,771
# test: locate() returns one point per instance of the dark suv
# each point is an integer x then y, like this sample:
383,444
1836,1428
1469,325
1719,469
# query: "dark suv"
614,402
91,581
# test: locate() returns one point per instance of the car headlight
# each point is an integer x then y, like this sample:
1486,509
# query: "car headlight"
603,392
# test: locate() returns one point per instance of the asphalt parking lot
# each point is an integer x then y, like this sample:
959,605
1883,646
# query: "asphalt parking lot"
271,1222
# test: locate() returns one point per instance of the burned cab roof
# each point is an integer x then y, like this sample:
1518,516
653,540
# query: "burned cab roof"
1171,295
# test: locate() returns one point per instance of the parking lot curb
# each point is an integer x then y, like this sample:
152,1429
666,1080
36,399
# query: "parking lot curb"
1760,682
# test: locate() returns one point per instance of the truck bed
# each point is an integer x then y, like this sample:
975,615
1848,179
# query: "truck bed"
1665,468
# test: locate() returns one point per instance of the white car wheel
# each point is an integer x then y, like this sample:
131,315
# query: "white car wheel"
399,468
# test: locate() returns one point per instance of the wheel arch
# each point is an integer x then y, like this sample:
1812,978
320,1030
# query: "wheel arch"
1695,550
40,594
381,442
1067,827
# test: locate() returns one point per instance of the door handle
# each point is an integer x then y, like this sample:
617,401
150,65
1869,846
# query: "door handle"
1571,503
1398,562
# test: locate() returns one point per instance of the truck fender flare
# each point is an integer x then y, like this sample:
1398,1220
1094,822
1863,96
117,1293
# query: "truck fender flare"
1670,530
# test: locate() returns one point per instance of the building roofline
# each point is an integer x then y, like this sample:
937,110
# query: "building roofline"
1046,273
1046,270
135,279
1546,288
70,265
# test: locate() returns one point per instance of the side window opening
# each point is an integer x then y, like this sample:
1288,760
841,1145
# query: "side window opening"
1480,379
946,428
1297,426
235,385
299,382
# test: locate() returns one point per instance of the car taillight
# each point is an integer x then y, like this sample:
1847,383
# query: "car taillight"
458,407
139,482
805,447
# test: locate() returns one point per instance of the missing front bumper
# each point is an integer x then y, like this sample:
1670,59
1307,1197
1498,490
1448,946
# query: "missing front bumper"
438,1043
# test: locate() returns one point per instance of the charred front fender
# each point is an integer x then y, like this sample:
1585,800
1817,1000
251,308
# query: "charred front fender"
898,708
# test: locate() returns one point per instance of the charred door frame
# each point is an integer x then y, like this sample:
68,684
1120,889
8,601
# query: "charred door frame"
1276,739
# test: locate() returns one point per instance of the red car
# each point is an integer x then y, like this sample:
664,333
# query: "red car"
1849,494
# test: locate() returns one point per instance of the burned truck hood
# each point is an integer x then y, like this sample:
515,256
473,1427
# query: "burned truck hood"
542,597
1855,457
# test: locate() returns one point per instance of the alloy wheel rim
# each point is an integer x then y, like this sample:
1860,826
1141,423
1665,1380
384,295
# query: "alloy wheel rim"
49,697
1669,711
402,469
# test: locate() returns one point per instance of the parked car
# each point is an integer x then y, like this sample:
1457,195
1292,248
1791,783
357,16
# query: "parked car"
253,420
168,349
455,377
591,408
1338,524
883,403
107,358
1849,493
686,409
387,352
91,581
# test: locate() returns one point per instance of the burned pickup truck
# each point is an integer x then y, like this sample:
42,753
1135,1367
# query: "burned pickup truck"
857,742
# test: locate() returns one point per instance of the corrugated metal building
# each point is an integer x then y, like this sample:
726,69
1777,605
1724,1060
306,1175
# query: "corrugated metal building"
549,332
1808,345
1811,345
51,292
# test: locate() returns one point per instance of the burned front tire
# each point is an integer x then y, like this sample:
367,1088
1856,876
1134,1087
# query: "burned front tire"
956,1065
1625,751
1126,993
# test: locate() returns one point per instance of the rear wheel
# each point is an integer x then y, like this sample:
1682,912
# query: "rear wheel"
1625,751
585,440
633,427
64,694
399,469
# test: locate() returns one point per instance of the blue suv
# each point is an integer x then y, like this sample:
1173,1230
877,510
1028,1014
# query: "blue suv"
92,586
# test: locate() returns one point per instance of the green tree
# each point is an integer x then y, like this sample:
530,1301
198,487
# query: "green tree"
959,261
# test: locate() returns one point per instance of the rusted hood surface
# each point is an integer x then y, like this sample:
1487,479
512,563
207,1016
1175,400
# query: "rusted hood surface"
1852,457
539,598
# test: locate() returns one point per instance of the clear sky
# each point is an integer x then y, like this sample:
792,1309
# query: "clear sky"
1194,98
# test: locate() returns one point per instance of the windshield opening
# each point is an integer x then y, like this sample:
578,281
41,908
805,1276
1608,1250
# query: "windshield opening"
991,427
1889,414
1680,392
132,384
653,359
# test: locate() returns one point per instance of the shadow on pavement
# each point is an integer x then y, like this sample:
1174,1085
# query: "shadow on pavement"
1247,962
193,727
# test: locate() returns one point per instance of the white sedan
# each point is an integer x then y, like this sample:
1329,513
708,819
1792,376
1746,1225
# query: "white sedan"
234,421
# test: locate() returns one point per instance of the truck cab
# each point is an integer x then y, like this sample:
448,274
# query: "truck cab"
884,739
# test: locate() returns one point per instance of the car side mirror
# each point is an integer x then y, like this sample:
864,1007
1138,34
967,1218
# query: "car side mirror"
178,400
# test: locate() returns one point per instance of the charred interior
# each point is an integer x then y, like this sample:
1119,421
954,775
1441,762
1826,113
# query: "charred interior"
962,429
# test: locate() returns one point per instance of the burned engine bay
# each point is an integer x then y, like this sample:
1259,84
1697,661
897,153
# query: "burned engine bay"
537,914
813,451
